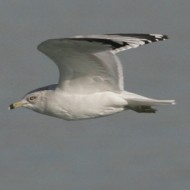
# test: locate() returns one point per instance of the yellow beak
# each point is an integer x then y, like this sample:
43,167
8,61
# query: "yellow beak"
17,105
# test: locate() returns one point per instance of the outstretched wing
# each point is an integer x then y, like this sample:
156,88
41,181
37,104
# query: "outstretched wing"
88,64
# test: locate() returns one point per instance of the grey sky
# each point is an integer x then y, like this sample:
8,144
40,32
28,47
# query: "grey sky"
124,151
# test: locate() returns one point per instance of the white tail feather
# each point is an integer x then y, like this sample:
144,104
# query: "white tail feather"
138,100
164,102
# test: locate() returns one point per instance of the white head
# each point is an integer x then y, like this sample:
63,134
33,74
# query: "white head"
35,101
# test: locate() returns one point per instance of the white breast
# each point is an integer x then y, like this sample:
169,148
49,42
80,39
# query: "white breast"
83,106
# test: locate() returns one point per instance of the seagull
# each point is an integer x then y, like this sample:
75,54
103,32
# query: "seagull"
91,81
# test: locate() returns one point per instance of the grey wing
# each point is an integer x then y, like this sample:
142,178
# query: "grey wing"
88,64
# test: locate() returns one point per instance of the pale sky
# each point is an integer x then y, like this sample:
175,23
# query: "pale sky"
126,151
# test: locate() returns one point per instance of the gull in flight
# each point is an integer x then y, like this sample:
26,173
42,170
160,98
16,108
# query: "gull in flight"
90,78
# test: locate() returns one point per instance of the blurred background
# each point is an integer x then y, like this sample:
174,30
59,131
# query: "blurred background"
125,151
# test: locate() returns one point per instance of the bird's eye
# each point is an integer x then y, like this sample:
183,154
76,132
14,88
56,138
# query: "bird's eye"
31,98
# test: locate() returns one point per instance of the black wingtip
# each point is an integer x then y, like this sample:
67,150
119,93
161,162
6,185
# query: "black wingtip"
151,37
